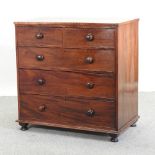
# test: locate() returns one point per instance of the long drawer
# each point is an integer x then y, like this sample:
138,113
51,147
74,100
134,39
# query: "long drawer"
72,111
73,59
66,83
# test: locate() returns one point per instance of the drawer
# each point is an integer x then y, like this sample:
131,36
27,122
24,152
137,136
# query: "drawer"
89,38
66,83
73,112
73,59
38,36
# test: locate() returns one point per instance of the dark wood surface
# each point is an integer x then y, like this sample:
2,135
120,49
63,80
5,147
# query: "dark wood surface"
76,38
76,24
78,75
62,111
66,83
26,36
75,59
127,72
66,25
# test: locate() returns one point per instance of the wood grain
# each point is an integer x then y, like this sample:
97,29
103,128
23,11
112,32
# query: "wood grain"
67,25
63,111
127,72
60,88
75,38
65,83
26,36
75,59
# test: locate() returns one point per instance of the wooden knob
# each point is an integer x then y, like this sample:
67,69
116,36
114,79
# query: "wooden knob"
89,60
42,108
40,57
89,37
90,85
90,112
39,36
41,81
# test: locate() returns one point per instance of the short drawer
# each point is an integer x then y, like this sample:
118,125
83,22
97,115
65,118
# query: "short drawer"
38,36
66,83
73,112
89,38
72,59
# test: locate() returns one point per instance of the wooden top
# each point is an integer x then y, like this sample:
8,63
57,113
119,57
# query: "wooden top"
99,23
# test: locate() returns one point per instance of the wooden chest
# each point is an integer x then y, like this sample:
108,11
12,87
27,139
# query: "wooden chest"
81,76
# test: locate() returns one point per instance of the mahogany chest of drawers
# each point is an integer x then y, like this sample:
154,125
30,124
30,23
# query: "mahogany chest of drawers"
81,76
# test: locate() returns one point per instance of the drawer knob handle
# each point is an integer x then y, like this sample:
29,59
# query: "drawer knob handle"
89,60
41,81
90,113
42,108
40,57
90,85
39,36
89,37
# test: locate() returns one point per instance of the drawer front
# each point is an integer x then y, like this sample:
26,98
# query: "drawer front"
66,83
38,36
72,112
88,38
74,59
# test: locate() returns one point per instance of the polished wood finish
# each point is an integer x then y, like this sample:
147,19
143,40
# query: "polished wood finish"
39,36
75,59
65,83
99,38
127,71
62,111
67,24
81,76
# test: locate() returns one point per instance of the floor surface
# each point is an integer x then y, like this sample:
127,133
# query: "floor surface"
138,140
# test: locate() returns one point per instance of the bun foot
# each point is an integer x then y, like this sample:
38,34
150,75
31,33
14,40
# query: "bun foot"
23,126
133,125
114,138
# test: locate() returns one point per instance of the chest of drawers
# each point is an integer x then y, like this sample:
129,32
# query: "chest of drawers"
81,76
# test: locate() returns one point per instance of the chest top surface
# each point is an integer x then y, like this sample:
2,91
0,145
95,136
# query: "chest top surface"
71,22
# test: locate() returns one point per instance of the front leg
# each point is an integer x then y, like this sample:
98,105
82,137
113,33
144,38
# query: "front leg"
134,124
23,126
114,137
